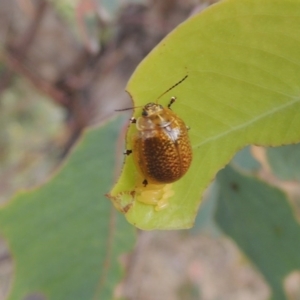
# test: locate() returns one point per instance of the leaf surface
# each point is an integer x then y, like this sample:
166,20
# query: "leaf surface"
242,58
65,238
261,221
285,162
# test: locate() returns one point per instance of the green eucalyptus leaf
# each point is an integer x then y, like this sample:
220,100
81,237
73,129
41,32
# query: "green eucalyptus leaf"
65,238
245,161
261,221
242,58
285,161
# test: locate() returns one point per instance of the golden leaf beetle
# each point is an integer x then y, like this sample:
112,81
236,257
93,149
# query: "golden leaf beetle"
161,147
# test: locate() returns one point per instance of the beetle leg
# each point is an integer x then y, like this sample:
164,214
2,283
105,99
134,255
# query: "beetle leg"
132,120
127,152
145,182
172,100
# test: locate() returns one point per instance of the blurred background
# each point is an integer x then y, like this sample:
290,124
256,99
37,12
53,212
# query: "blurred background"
64,65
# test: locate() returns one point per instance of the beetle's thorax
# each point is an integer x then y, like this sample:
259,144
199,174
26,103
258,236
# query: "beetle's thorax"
154,116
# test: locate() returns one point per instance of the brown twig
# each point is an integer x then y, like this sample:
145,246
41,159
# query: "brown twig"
21,47
15,54
17,66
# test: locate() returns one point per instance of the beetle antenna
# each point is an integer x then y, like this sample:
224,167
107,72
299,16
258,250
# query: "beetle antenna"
128,108
172,87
